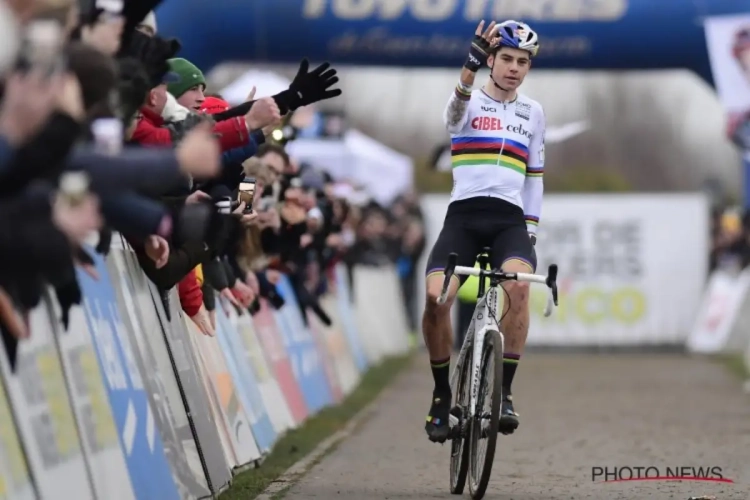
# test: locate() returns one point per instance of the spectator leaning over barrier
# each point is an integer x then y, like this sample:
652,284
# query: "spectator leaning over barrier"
65,172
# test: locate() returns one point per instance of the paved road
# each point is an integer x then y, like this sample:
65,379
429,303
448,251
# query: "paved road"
578,412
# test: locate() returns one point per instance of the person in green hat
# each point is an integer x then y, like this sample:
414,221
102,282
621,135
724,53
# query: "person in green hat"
189,90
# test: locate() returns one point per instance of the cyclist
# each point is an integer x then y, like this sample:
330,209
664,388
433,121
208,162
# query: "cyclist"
497,153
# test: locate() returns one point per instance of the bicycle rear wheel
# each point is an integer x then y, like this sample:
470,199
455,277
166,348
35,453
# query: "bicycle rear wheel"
459,444
484,427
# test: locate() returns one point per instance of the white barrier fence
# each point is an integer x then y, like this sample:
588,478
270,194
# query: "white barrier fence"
633,267
132,402
723,325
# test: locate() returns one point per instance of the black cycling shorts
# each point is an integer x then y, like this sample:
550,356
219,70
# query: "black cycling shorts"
476,223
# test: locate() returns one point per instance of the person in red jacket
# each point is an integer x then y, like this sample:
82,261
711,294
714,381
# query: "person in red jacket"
189,85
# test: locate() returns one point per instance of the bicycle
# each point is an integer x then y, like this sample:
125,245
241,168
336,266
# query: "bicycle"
484,342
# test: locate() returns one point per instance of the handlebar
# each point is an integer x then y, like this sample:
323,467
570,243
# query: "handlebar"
550,279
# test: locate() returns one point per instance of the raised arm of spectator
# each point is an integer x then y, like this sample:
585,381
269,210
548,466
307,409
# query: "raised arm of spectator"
308,87
152,172
135,216
238,155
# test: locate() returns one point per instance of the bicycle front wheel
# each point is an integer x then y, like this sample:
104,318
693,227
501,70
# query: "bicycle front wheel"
460,444
484,427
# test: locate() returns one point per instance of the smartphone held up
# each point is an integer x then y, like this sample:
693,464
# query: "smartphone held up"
246,193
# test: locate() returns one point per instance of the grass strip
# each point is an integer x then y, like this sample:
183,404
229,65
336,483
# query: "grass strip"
298,443
735,364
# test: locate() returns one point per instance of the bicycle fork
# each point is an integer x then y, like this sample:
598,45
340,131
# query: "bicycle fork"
461,415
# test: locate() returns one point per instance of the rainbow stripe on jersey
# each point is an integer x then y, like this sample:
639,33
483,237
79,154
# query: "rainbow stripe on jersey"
470,151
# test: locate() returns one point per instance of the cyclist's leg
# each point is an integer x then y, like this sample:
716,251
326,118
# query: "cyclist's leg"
436,321
513,252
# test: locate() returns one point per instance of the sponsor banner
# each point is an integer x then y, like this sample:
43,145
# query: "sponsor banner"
347,371
141,323
718,312
573,33
616,265
194,391
316,329
392,309
225,393
141,442
43,413
15,479
617,256
247,384
275,345
253,356
303,353
375,326
96,425
345,308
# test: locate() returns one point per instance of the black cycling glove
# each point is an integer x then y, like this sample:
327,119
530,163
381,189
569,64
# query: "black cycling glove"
308,87
478,54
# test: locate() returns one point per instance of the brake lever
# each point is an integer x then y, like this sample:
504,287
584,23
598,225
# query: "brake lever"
449,270
552,281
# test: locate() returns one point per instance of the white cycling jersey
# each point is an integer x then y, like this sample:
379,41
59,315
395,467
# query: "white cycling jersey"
497,150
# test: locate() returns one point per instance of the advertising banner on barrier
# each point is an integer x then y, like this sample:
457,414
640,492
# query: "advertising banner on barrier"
303,353
15,479
380,303
246,382
225,392
40,402
222,425
254,357
346,314
371,321
314,325
141,323
96,425
275,345
194,390
614,263
346,370
718,312
150,472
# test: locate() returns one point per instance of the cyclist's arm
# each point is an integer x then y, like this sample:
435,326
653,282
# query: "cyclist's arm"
533,188
456,112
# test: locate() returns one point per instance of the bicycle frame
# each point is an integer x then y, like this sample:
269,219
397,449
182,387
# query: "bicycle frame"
481,322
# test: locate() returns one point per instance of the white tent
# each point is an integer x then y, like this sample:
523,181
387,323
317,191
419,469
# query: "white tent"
383,172
266,83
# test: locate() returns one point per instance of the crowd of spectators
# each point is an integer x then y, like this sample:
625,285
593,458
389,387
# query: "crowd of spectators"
105,128
392,236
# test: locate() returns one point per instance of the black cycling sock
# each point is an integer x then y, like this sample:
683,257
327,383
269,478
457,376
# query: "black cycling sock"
510,363
440,373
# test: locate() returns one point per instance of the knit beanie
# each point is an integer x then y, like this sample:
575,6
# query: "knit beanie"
190,76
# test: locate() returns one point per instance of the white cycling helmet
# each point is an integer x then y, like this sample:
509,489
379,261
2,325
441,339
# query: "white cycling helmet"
518,35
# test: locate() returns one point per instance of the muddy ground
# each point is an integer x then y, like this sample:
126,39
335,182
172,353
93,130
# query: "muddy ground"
577,412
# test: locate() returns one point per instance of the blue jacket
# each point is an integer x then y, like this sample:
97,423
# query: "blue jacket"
238,155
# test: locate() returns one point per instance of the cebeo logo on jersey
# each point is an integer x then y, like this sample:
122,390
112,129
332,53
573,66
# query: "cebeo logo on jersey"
518,129
486,123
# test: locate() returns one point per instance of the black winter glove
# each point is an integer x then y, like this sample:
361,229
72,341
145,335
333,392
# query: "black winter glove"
478,53
308,87
134,12
153,52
